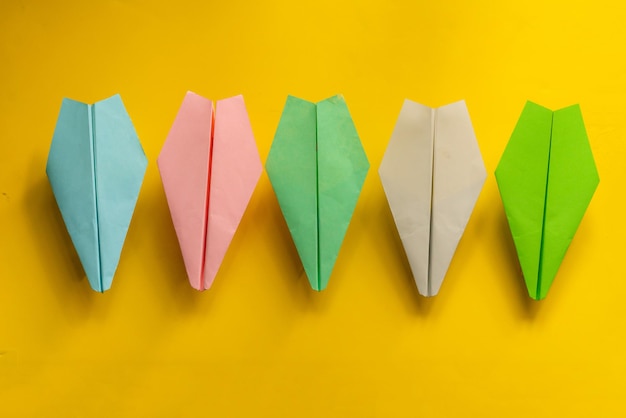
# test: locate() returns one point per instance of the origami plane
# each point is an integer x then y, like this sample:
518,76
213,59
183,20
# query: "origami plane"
209,166
96,166
317,167
432,173
547,177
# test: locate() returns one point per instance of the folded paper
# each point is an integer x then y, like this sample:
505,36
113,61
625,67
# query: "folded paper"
547,177
432,173
317,167
96,166
209,166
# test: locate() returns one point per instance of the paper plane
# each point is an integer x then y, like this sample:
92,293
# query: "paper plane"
546,178
96,166
317,167
209,166
432,173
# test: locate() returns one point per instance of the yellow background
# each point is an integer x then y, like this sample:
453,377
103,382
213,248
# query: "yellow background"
261,342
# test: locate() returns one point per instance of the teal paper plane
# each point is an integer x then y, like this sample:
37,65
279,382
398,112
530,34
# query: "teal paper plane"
96,166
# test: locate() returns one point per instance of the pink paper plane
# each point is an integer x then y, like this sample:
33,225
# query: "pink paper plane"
209,166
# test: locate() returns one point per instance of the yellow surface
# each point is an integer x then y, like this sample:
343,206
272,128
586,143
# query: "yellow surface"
260,342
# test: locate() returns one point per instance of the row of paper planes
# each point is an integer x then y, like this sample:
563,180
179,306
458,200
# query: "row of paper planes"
432,173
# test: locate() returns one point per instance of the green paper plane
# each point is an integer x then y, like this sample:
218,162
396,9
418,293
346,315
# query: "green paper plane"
317,167
546,178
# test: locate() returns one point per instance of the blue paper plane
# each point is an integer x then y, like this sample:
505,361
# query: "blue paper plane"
96,166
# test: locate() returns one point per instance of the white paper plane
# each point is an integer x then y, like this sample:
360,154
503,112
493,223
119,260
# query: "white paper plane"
432,173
